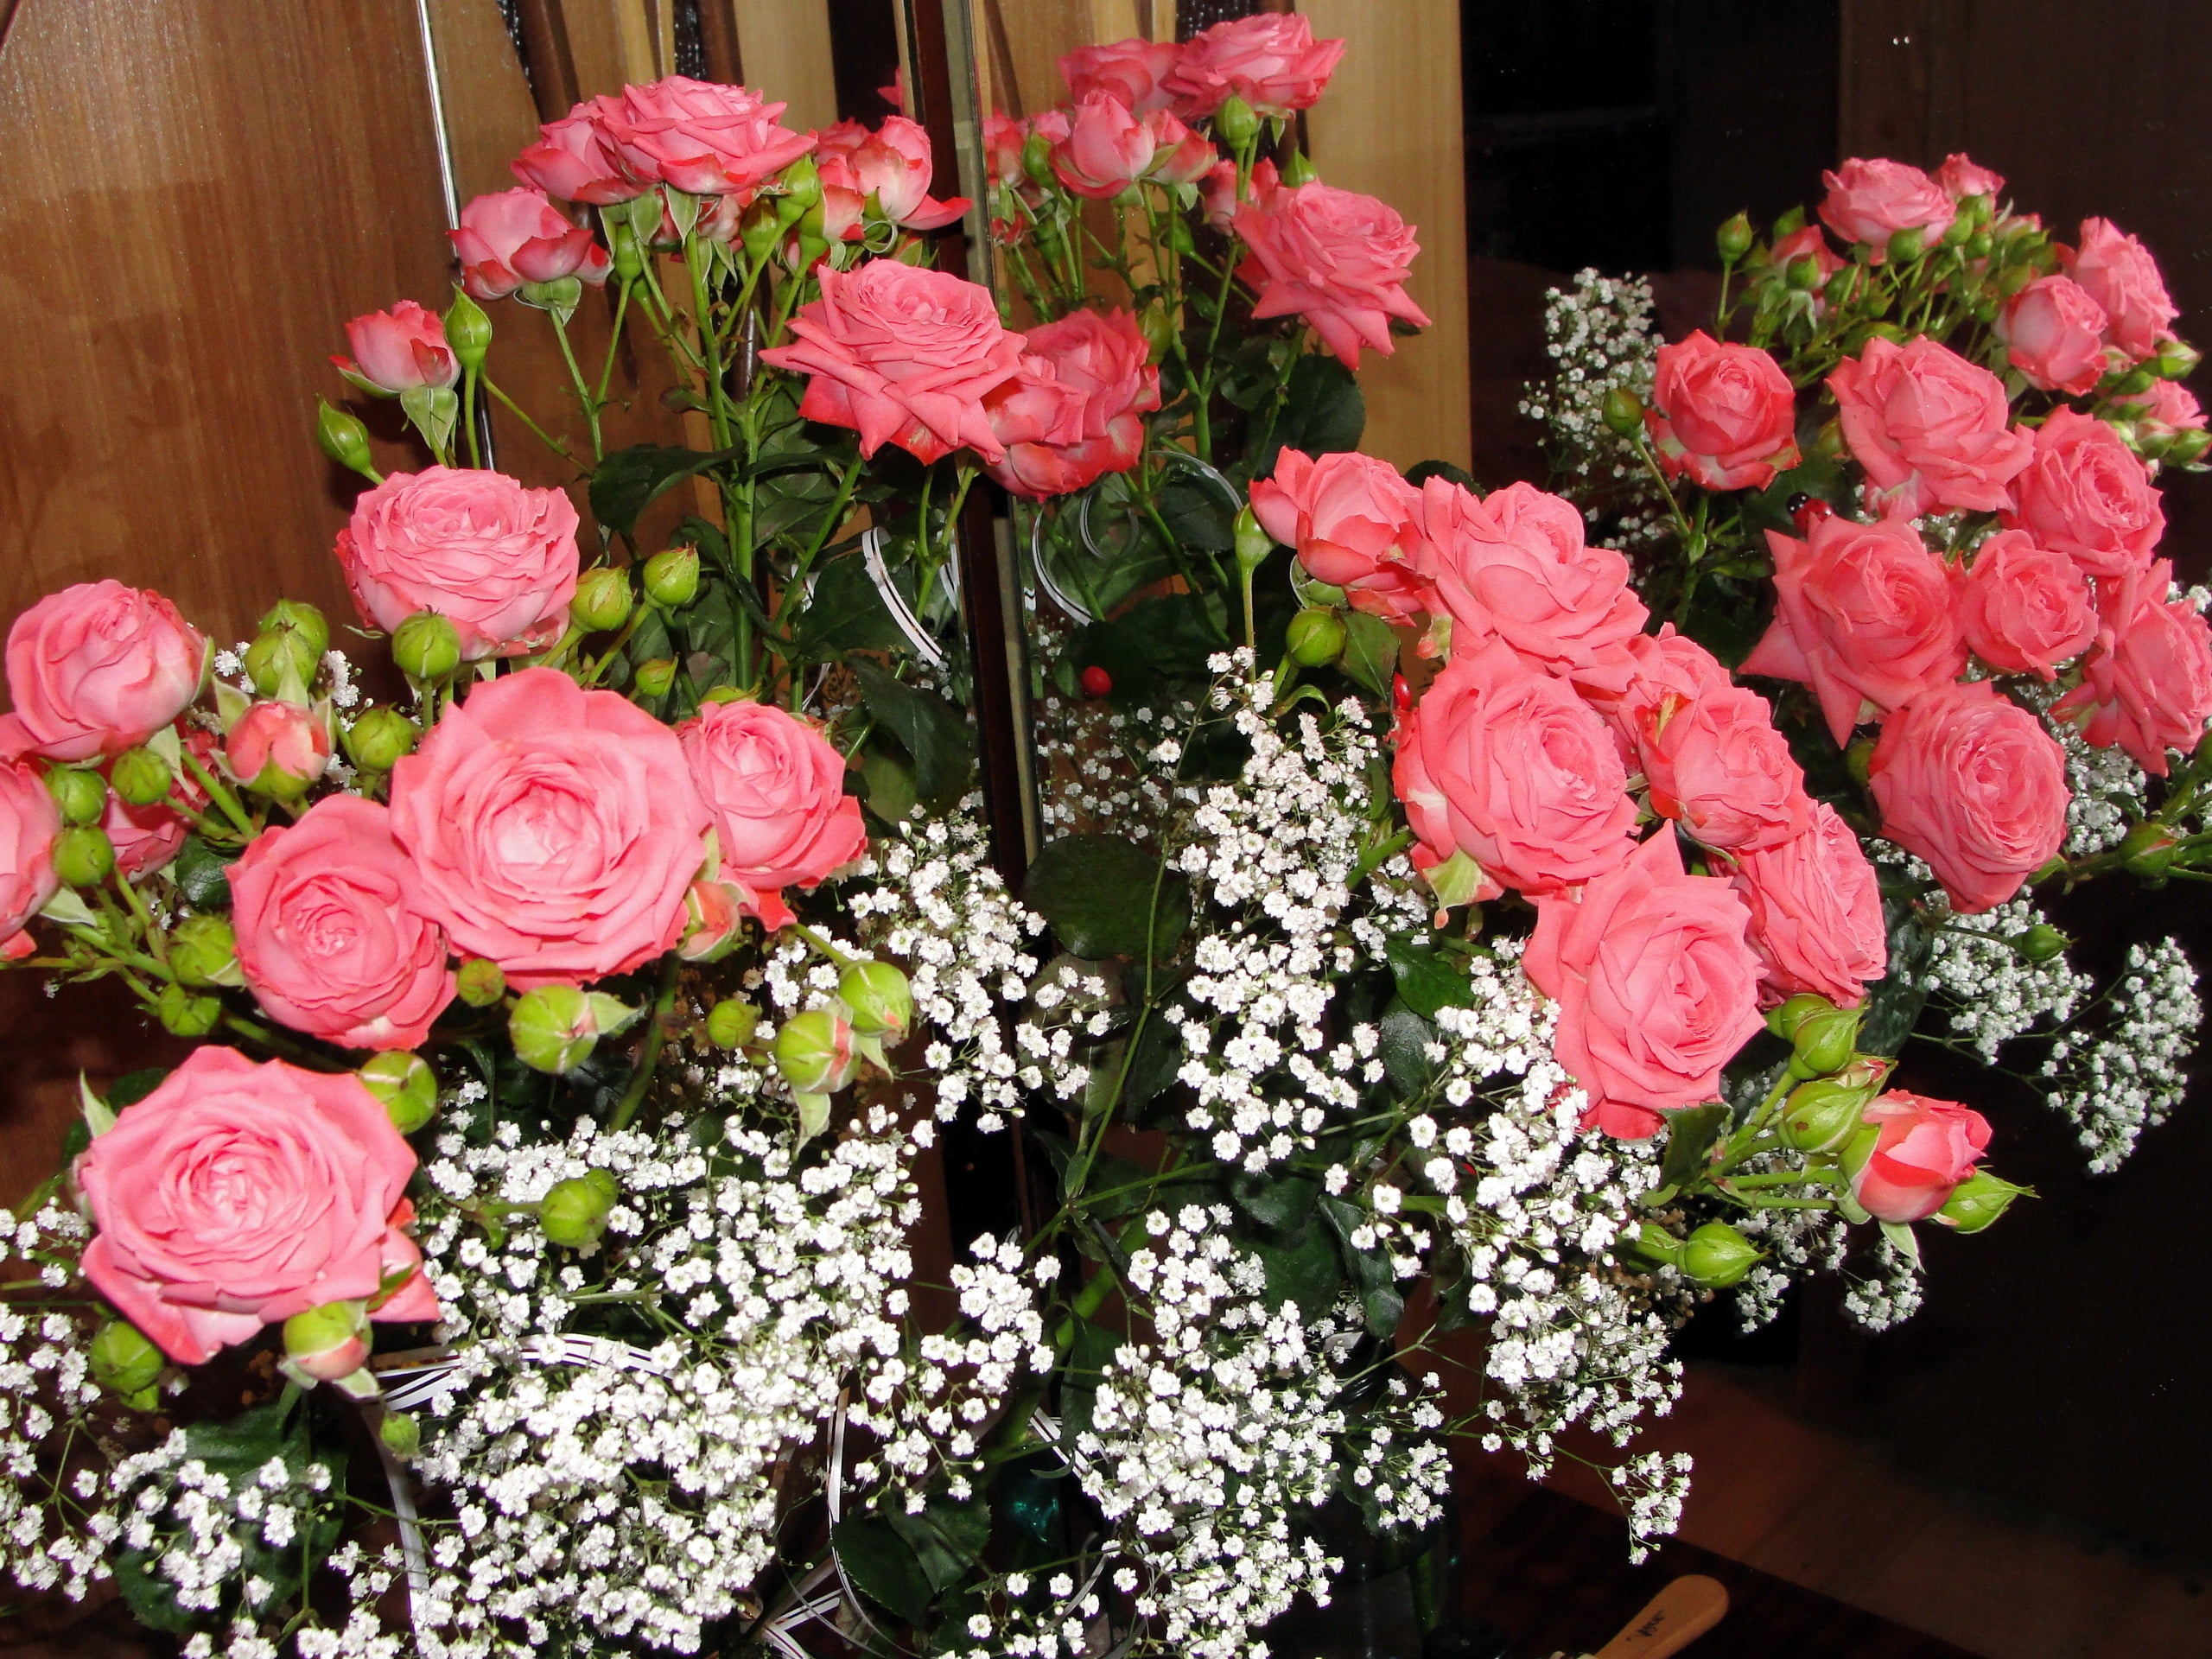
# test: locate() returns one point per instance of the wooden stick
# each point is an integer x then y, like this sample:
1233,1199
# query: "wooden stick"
1677,1616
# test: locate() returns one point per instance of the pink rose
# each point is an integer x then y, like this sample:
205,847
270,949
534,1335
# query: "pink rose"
1355,523
2023,608
1005,137
1131,72
1656,986
1626,682
2118,272
1962,177
1271,61
1107,149
1718,767
277,747
902,355
1929,427
1920,1151
1725,414
893,164
1506,765
2167,410
517,236
1816,912
29,823
399,350
1974,785
2053,334
1335,258
1075,411
1513,567
330,937
1871,202
2086,494
495,559
555,829
1218,191
699,136
1178,156
1862,613
97,668
573,160
146,839
775,788
2147,685
237,1195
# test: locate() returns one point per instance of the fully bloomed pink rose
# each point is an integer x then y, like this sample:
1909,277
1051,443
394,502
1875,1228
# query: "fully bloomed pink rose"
2054,334
277,747
1973,784
1355,523
97,668
1862,615
146,839
893,164
2023,608
513,237
1133,72
1929,428
553,829
902,355
1718,766
29,823
495,559
237,1195
1335,258
1656,986
1816,912
1504,764
329,935
1107,149
1962,177
2147,685
399,350
776,789
1870,201
1513,567
573,160
1725,414
1271,61
2086,494
1075,412
1920,1151
2118,272
699,136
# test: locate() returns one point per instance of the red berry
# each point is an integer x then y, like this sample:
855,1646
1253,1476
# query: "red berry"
1096,681
1805,511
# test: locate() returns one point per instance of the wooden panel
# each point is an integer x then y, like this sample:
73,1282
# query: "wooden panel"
489,112
784,46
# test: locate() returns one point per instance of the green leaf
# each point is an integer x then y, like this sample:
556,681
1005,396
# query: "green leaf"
947,1537
1420,474
198,870
1323,411
1404,1048
1282,1202
134,1086
1368,1270
1161,640
1893,1004
1302,1267
1093,1347
882,1567
845,613
1096,892
630,480
1427,978
1371,653
1157,1057
933,732
1690,1135
1199,514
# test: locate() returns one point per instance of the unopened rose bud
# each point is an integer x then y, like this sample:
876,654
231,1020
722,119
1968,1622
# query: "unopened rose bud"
278,656
2189,446
1783,1019
553,1029
623,254
2013,278
1253,543
427,647
1037,160
720,694
277,749
1859,759
1624,412
2148,850
1296,169
1907,245
814,1051
731,1022
654,678
187,1014
381,739
1978,1200
1236,123
124,1362
2176,361
1158,326
1716,1256
297,616
1803,275
2040,943
401,1435
672,577
762,227
344,439
1821,1115
2132,384
327,1343
802,182
479,983
83,856
203,951
574,1212
603,600
81,795
714,918
141,777
1314,638
1825,1043
406,1086
879,997
1734,238
468,331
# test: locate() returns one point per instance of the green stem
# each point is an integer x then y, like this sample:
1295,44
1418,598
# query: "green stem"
219,793
468,417
656,1035
613,344
795,583
537,431
584,399
709,345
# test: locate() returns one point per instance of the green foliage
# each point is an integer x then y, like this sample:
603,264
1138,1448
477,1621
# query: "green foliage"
932,732
199,871
845,613
882,1565
1371,653
1097,894
628,481
1427,978
1322,412
1159,641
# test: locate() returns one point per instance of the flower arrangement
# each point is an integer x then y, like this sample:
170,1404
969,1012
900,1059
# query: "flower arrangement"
1461,950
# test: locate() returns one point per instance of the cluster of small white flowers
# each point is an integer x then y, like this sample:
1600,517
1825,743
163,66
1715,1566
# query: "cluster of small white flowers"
1205,1441
1090,762
2107,793
1397,1459
1650,1488
1995,993
1890,1295
2117,1082
1796,1243
1602,337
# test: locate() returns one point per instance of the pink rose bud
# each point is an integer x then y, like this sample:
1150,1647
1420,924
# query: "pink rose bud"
2054,333
1178,156
2084,494
1725,414
776,787
1355,523
278,749
701,137
1962,177
891,167
715,913
327,1343
2117,271
1107,149
400,350
1931,429
1912,1153
513,237
1131,72
97,668
1869,202
573,160
1074,412
1335,258
1271,61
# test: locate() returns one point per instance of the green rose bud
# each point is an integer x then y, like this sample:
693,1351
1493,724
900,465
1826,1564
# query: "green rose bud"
141,777
1858,760
344,439
1907,245
126,1362
553,1029
603,601
1236,123
2013,278
574,1212
468,331
380,739
881,1000
401,1435
1297,170
802,182
1784,1021
1158,326
1037,161
2175,360
1803,275
762,227
1253,543
427,647
731,1022
2148,850
1734,238
81,795
2132,384
2040,943
720,694
83,856
277,654
1624,412
623,253
1821,1115
203,951
296,616
1716,1256
672,577
814,1051
1315,638
406,1086
184,1014
1790,223
653,677
327,1343
479,983
1977,1201
1825,1043
2189,446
